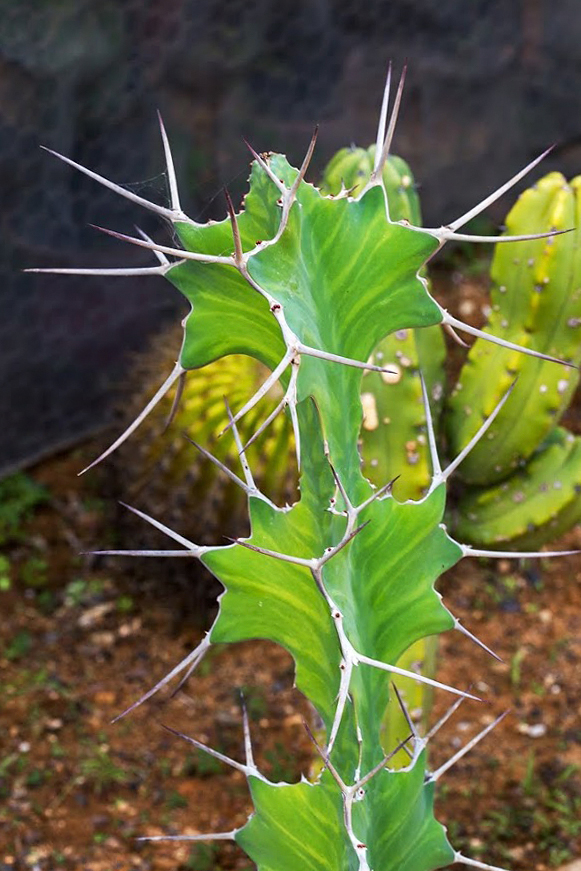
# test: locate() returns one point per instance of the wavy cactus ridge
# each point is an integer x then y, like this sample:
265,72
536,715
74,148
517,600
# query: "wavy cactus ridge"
344,578
536,300
416,843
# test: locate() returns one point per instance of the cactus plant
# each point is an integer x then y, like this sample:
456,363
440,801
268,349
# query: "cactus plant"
309,285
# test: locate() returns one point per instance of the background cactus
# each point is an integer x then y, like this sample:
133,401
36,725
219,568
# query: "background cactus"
344,579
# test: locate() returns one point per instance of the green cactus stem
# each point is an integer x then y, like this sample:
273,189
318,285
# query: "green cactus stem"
536,301
537,503
309,285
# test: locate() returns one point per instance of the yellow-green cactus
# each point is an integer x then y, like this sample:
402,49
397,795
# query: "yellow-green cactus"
536,301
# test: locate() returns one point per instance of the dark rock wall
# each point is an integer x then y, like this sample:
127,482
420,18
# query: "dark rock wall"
491,83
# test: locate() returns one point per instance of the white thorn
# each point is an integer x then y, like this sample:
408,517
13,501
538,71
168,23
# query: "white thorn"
325,757
330,552
452,332
128,270
171,173
386,489
474,863
420,678
391,126
165,249
463,219
380,138
161,257
405,712
346,673
266,423
468,634
156,553
445,235
238,251
220,465
161,210
285,557
215,836
443,476
444,719
194,548
209,750
381,765
292,404
190,661
348,504
515,554
346,361
247,737
248,477
291,196
436,465
262,390
165,387
467,747
264,165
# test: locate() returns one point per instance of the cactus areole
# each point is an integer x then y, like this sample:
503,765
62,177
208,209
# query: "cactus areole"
309,284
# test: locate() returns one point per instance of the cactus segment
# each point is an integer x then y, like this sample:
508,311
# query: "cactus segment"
536,301
373,829
344,579
352,235
350,169
536,504
393,437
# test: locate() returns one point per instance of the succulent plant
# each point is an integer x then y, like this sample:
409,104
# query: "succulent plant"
309,285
